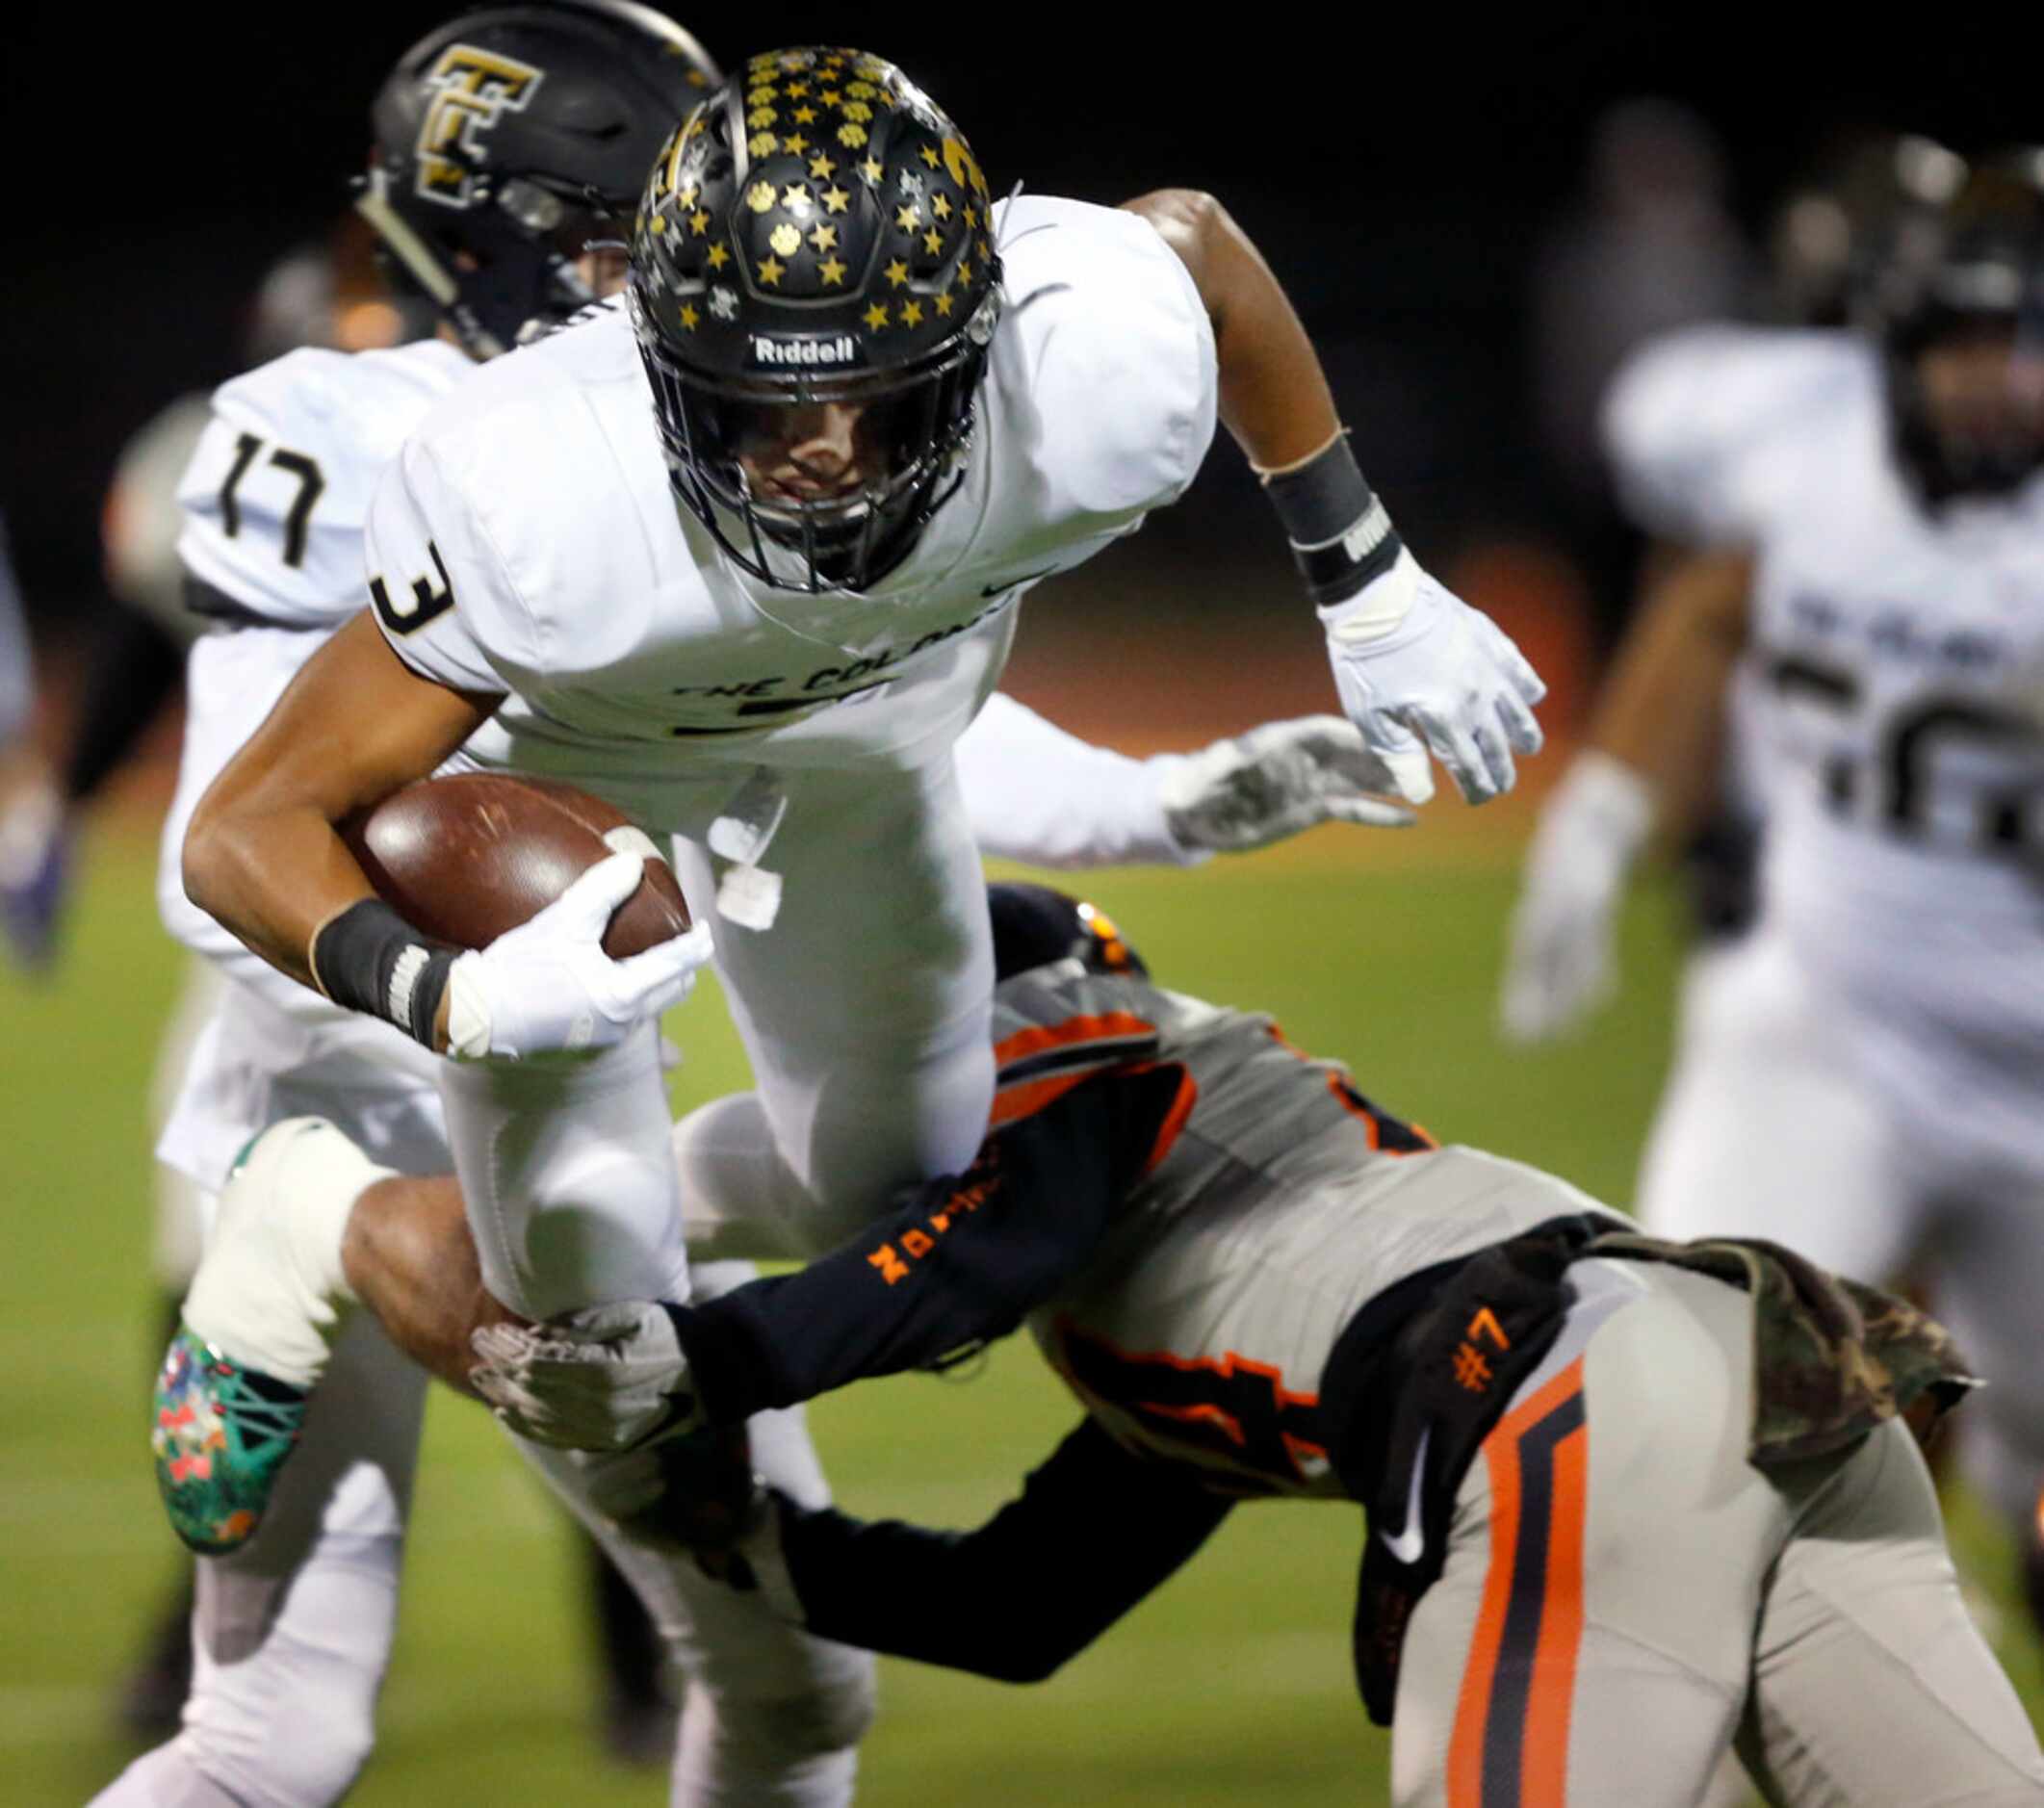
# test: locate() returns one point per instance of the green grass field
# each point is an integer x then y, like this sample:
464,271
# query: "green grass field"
1231,1687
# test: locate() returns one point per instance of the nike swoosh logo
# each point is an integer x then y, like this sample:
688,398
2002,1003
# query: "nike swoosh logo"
1016,583
1411,1544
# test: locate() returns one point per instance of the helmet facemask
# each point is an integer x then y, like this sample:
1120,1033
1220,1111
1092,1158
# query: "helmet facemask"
816,236
910,443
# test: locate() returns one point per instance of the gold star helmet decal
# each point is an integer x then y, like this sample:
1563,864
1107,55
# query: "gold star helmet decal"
718,257
772,271
824,237
689,318
876,316
933,242
821,167
831,271
796,198
699,223
897,274
835,199
912,314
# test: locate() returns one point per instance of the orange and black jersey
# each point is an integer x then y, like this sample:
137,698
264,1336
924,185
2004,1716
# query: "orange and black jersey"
1114,1099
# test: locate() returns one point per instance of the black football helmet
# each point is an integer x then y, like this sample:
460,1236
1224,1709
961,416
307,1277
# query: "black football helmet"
1035,925
1978,273
512,139
816,232
1870,203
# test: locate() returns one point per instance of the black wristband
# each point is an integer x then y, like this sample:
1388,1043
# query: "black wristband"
1342,537
370,958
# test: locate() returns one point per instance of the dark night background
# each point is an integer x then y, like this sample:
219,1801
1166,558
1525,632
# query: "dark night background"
1400,167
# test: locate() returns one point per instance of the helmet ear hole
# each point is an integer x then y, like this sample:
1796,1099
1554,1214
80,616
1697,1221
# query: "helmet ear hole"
816,232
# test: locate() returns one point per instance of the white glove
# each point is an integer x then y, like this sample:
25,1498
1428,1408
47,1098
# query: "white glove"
1276,781
1415,662
610,1378
549,985
1563,928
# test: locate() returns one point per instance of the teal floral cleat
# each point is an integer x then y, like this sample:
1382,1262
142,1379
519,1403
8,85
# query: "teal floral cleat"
222,1434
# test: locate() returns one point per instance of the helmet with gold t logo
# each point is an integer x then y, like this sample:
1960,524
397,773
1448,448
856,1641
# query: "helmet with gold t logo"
814,285
514,139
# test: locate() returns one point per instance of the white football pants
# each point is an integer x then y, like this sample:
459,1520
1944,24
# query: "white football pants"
1625,1593
1774,1124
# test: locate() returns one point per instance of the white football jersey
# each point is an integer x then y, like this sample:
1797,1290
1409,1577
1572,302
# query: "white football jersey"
275,496
273,504
1893,651
527,539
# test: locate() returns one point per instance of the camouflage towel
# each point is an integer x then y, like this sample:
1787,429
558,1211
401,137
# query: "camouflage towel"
1832,1358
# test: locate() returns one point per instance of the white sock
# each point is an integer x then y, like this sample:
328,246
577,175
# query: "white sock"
271,1293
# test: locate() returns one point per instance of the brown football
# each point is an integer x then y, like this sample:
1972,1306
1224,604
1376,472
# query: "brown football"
468,857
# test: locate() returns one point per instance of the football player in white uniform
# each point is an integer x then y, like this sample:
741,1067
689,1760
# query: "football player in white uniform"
758,604
1621,1511
274,503
1860,1082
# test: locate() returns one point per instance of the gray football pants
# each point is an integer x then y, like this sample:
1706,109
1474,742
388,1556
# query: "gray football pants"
1625,1595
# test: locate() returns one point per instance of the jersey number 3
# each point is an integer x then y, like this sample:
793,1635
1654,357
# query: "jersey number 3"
408,615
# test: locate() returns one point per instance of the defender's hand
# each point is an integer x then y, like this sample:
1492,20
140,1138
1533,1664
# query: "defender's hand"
1563,927
609,1379
549,985
1276,781
1415,664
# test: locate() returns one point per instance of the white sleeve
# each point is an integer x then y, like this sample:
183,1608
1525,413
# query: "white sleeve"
1690,420
1117,354
436,585
1039,795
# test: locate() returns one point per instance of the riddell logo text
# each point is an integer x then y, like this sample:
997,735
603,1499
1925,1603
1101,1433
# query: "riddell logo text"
778,351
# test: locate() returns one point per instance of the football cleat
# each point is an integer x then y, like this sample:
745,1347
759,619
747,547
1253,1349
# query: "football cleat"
223,1432
265,1307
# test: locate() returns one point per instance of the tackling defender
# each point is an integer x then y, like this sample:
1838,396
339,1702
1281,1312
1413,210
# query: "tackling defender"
1627,1500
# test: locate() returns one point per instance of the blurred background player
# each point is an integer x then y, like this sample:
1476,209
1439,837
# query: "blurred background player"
1857,1076
1871,202
327,295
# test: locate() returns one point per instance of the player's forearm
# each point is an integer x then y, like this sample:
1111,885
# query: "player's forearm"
409,1258
1094,1530
263,854
1039,794
958,1264
1274,396
1661,711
